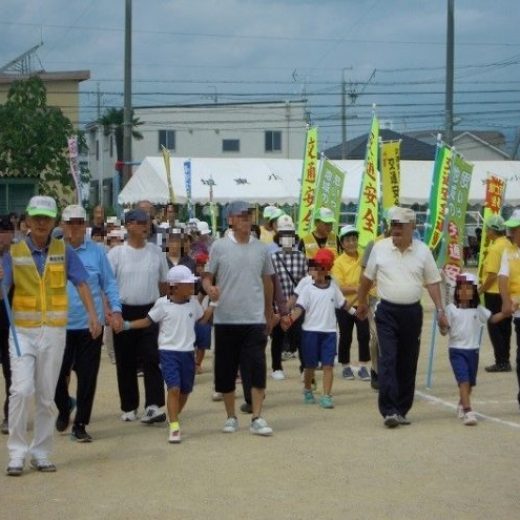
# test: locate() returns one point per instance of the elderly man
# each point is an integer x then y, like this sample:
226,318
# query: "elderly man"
321,236
400,266
499,333
39,268
82,352
509,282
241,267
140,269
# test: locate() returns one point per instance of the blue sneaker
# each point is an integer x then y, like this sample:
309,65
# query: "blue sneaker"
363,374
326,401
347,373
308,397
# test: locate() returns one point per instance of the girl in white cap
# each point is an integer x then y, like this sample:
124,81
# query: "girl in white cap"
466,317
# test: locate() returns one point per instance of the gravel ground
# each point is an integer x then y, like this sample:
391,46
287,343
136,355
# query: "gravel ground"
319,464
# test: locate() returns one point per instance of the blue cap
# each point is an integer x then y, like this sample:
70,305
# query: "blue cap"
238,207
136,215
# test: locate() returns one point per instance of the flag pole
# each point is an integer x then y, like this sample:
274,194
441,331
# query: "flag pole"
10,318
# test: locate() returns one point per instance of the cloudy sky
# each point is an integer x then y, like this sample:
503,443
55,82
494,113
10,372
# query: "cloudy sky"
389,52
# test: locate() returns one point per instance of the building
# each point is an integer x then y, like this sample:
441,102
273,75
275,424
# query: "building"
255,130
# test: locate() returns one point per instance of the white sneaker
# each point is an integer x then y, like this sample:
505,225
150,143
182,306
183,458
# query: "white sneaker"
152,414
460,411
278,375
470,419
129,416
231,425
217,396
260,427
174,437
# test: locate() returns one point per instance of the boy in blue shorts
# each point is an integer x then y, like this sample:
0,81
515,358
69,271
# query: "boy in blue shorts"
176,315
319,300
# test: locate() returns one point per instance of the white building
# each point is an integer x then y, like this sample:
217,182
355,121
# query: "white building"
274,130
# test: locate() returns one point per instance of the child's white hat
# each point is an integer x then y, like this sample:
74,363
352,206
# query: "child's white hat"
180,274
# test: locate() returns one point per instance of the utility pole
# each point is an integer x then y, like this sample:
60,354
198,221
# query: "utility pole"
127,112
448,132
343,116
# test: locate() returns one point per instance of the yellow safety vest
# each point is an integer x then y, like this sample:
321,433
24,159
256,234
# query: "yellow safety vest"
266,235
39,300
514,272
312,247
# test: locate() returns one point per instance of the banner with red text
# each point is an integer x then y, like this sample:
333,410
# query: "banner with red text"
308,183
493,202
367,216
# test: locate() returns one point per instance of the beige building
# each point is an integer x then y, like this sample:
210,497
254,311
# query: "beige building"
62,89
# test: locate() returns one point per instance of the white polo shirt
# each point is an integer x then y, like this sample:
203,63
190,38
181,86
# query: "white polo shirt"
400,277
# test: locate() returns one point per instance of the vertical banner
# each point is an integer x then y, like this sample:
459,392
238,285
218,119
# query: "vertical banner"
367,216
166,157
329,189
437,206
493,202
74,165
187,183
390,173
451,252
308,184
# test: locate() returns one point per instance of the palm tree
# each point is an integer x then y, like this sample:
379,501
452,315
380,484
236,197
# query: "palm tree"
113,119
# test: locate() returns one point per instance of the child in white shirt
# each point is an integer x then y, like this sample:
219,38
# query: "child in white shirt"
466,317
176,315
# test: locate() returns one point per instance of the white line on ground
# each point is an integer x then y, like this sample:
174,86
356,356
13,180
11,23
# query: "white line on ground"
438,400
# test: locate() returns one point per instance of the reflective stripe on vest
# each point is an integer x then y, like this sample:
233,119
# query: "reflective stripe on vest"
311,246
39,299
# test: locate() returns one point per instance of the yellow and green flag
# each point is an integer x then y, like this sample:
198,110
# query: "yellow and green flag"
330,189
367,216
308,184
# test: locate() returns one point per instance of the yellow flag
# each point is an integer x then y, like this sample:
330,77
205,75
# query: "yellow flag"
308,186
166,157
390,173
366,219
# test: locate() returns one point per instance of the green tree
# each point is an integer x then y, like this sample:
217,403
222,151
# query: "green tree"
112,120
33,139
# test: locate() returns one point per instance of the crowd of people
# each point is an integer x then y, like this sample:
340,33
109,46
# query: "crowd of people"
154,291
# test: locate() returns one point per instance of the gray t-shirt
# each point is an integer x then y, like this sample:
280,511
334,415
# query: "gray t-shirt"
238,270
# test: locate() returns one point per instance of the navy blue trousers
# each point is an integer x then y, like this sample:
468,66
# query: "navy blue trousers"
399,333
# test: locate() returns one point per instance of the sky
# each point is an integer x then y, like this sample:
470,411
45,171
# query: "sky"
391,53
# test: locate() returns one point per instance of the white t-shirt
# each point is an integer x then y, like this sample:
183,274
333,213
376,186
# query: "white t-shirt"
320,305
465,325
176,323
138,272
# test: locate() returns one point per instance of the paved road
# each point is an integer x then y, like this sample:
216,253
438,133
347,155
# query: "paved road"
320,464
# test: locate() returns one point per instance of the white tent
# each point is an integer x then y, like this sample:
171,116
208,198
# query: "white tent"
265,181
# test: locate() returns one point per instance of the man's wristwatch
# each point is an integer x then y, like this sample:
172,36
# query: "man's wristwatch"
441,312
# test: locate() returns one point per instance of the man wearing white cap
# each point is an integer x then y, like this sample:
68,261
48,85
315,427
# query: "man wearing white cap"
400,267
39,268
509,281
82,352
499,333
321,236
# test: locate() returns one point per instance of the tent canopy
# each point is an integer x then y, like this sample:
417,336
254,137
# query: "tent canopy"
277,181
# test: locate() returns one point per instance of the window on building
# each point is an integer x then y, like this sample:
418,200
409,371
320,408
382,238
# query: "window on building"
273,141
167,139
231,145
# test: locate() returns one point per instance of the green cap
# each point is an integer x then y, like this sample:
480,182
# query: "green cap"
41,205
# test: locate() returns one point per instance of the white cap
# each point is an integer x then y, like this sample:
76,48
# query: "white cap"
41,205
268,211
74,211
116,233
285,223
326,215
349,229
467,278
113,221
164,225
180,274
203,228
401,215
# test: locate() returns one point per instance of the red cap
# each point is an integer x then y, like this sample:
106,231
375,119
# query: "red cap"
201,259
324,258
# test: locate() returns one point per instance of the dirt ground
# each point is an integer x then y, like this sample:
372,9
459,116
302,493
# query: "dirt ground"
319,464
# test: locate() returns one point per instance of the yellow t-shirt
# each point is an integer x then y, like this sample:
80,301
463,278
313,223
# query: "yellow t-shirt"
266,235
346,271
493,259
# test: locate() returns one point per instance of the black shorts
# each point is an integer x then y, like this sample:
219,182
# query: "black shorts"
239,345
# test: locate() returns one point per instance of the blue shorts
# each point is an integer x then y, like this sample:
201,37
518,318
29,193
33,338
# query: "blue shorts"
465,365
318,347
203,336
178,369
